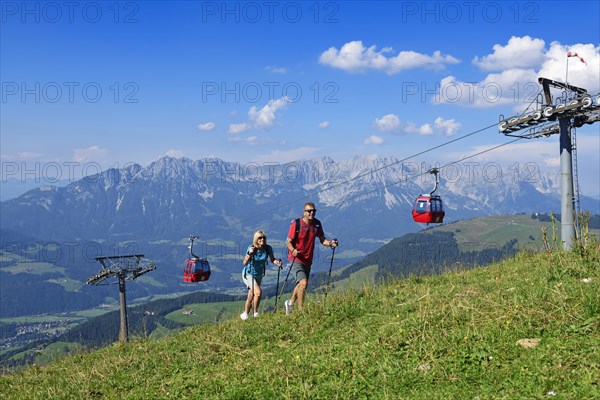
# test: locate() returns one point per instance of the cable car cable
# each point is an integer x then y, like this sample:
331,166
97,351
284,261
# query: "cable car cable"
412,177
444,166
294,201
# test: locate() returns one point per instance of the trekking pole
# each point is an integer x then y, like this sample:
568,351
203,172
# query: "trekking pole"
252,309
284,283
277,287
330,267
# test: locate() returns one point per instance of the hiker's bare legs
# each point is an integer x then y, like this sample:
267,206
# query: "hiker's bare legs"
248,301
299,292
257,296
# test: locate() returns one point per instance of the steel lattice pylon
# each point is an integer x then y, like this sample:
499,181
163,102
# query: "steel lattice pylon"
574,108
122,268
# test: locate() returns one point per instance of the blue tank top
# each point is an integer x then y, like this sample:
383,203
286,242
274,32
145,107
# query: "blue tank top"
256,265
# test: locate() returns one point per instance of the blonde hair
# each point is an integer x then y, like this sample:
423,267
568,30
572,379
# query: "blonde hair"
256,236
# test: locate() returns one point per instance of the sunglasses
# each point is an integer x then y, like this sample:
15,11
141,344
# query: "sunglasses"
261,237
314,210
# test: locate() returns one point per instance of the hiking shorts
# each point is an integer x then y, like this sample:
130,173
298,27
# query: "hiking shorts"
301,271
250,280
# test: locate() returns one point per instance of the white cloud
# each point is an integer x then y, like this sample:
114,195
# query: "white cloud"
391,123
519,52
424,129
388,123
511,87
265,117
175,153
238,128
260,119
373,139
355,57
207,126
448,127
324,124
92,153
276,70
583,75
516,83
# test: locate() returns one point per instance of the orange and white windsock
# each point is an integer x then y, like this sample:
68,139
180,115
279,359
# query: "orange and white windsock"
573,54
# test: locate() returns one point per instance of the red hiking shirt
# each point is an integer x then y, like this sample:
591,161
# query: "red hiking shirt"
306,240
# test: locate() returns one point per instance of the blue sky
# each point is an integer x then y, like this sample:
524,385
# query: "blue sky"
89,85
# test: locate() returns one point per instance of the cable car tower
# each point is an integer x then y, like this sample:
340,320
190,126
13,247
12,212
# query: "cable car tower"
574,108
124,268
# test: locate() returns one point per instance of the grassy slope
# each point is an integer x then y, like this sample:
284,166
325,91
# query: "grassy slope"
479,233
485,232
448,336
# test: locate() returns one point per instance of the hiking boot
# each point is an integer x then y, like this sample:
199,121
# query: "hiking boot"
288,307
244,316
256,315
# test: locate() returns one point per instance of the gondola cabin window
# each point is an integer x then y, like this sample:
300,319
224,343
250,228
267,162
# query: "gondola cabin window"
421,206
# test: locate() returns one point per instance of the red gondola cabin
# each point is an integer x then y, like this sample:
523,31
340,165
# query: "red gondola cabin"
428,210
196,270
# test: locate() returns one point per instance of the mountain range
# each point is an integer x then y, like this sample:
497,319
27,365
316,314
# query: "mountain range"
172,198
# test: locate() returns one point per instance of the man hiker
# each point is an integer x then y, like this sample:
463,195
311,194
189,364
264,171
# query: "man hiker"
301,246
